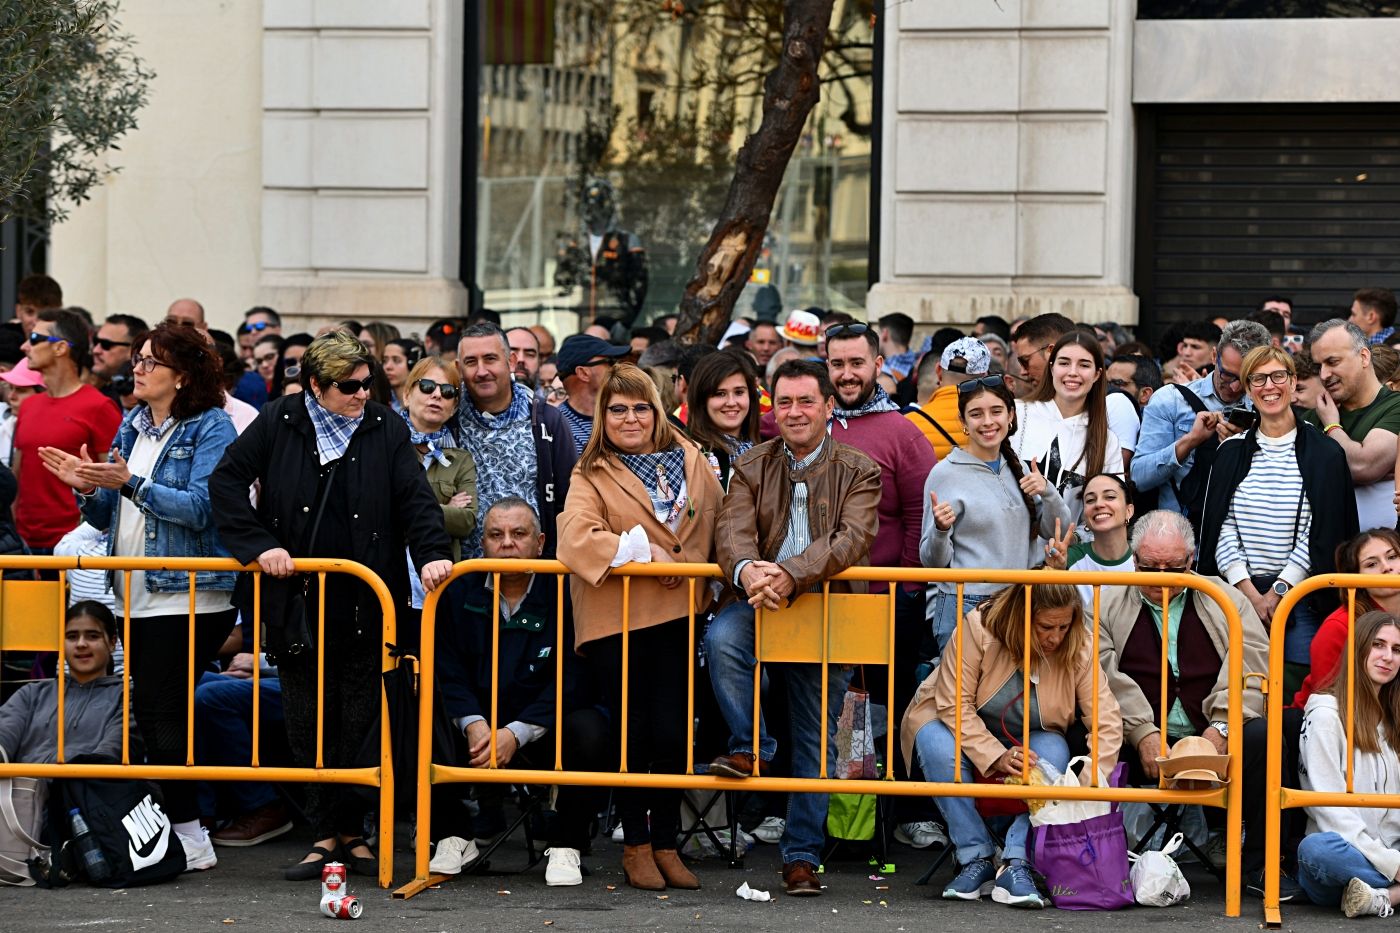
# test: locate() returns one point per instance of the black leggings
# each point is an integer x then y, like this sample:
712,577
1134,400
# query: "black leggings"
658,663
158,658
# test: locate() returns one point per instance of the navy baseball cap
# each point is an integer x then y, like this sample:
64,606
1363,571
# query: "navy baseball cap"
579,349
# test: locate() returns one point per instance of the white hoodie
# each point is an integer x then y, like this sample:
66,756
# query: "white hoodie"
1374,831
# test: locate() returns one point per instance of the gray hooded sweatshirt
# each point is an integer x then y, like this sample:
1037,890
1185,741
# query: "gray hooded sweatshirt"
992,527
93,716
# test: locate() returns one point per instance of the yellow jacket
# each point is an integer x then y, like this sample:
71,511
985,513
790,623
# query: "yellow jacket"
943,408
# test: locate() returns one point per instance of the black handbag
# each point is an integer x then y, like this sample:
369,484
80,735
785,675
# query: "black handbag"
127,819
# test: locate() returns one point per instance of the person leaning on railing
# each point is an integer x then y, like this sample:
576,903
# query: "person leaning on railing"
1351,855
331,442
641,492
990,713
152,497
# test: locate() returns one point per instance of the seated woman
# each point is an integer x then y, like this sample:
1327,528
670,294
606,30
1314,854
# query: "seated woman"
92,699
1374,551
992,706
1351,855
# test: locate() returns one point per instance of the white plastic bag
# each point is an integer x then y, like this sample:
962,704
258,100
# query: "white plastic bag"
1064,812
1157,881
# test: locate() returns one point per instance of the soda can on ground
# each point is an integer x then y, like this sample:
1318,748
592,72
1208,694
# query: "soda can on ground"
336,899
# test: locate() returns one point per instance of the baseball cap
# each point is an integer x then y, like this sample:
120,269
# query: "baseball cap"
22,375
577,350
802,328
967,355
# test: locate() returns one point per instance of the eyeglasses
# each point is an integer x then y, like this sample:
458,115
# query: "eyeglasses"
291,373
1146,569
428,386
1025,360
256,328
848,330
556,392
36,339
1278,377
994,381
351,386
1119,383
1225,375
104,343
146,364
641,410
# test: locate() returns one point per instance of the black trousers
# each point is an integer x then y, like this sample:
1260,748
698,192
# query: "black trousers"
659,663
158,658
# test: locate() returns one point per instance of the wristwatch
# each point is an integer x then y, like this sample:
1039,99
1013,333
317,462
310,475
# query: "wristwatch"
1281,587
1222,727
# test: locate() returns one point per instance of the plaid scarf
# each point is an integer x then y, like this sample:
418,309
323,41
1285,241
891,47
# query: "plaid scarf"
737,446
879,401
435,440
333,432
141,421
663,475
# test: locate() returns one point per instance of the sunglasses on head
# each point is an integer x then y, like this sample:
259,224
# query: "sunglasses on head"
351,386
428,386
995,380
36,338
848,330
106,344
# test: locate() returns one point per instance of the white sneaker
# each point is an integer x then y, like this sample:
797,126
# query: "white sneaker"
921,835
1362,900
563,868
770,830
617,833
199,851
453,854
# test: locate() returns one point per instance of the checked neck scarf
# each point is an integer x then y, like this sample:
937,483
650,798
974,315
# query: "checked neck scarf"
333,432
663,475
879,401
142,422
435,441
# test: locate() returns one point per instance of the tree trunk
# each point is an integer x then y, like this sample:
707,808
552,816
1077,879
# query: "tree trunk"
789,94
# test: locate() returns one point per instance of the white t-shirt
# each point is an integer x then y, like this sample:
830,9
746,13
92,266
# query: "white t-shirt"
1056,444
1123,419
131,542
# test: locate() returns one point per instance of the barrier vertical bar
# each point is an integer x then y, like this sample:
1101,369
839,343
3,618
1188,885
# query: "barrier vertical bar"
626,681
1094,723
126,665
495,660
189,682
757,681
1234,745
889,733
958,681
690,687
63,664
257,666
389,635
826,687
426,688
559,649
1351,687
1163,742
1025,694
321,672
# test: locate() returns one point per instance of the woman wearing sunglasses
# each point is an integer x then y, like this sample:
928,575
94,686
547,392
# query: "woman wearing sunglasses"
982,508
151,496
431,394
1278,503
340,478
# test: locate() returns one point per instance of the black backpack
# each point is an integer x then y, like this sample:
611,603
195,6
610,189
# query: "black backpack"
129,822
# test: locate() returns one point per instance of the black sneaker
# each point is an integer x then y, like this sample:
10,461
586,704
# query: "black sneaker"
1288,889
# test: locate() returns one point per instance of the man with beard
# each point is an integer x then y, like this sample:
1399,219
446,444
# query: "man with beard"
866,418
526,348
521,445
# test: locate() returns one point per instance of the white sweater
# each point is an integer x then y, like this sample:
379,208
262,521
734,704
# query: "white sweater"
1375,832
1057,444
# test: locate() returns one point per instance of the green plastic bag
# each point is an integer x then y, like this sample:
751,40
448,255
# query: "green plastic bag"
851,816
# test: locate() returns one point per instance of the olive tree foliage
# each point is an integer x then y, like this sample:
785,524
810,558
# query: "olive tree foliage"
71,86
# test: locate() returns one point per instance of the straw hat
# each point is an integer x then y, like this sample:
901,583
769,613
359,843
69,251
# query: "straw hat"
1194,758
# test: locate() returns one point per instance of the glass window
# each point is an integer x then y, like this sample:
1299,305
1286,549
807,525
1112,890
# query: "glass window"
1264,9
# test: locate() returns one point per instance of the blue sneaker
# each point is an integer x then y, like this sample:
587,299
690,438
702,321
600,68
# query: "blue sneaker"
974,881
1016,888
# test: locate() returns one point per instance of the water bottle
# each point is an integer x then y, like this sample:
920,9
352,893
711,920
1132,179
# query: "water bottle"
94,862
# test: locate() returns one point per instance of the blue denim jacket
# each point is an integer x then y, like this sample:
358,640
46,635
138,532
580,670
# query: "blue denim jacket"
175,498
1166,420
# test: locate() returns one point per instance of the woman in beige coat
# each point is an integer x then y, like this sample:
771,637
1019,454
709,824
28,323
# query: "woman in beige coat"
641,492
990,712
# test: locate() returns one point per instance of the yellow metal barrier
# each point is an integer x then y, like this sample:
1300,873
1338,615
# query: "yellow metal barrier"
1284,798
23,620
810,632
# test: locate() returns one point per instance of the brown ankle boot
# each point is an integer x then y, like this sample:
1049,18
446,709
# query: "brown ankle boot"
674,870
639,867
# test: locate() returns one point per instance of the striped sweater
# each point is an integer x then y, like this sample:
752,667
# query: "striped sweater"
1259,536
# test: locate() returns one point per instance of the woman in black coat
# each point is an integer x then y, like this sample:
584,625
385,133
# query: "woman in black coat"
331,443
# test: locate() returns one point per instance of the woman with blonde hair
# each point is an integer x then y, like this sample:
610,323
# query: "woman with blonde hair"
641,492
990,710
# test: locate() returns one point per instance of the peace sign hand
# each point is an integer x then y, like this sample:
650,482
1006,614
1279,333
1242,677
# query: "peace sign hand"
1057,551
944,515
1033,484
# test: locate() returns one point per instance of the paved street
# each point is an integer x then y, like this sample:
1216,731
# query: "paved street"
245,893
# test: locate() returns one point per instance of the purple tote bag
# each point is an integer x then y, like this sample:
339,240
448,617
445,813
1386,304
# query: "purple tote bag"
1085,864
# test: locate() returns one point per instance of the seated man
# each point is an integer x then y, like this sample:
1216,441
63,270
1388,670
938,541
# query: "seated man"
801,508
526,699
1198,685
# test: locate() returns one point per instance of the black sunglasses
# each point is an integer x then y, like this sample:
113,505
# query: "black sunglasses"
427,386
106,344
351,386
848,330
995,380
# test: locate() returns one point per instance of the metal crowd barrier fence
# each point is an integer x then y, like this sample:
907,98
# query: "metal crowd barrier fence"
826,628
1282,798
32,619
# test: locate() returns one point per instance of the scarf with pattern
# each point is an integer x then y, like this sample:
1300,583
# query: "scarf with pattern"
436,441
333,432
663,475
142,422
879,401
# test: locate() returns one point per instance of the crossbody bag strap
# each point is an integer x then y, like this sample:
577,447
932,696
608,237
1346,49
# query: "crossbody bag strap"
941,430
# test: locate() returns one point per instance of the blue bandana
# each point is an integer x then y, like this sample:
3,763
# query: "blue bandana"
663,475
333,432
141,421
436,441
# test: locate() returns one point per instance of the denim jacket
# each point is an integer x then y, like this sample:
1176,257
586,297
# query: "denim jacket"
175,499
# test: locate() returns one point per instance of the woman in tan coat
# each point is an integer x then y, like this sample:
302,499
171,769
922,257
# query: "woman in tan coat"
991,707
641,492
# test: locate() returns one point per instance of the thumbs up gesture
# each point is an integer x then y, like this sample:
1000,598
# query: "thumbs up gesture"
1033,484
944,515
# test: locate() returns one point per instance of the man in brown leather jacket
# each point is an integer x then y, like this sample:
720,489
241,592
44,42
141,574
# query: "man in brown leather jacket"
801,508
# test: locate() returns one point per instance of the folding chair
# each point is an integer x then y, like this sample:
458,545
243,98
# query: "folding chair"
531,806
703,825
1168,818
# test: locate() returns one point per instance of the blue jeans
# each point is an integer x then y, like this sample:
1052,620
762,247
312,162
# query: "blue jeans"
943,613
935,747
729,646
223,734
1326,862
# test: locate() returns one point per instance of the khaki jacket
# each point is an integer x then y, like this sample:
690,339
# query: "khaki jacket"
985,669
1119,607
608,500
446,482
843,496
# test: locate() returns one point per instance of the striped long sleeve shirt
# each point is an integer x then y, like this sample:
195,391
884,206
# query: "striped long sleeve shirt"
1259,536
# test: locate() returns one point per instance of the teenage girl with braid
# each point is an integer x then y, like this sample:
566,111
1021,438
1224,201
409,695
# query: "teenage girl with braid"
982,509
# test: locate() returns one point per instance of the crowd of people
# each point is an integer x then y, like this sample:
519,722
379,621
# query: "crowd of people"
1250,450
